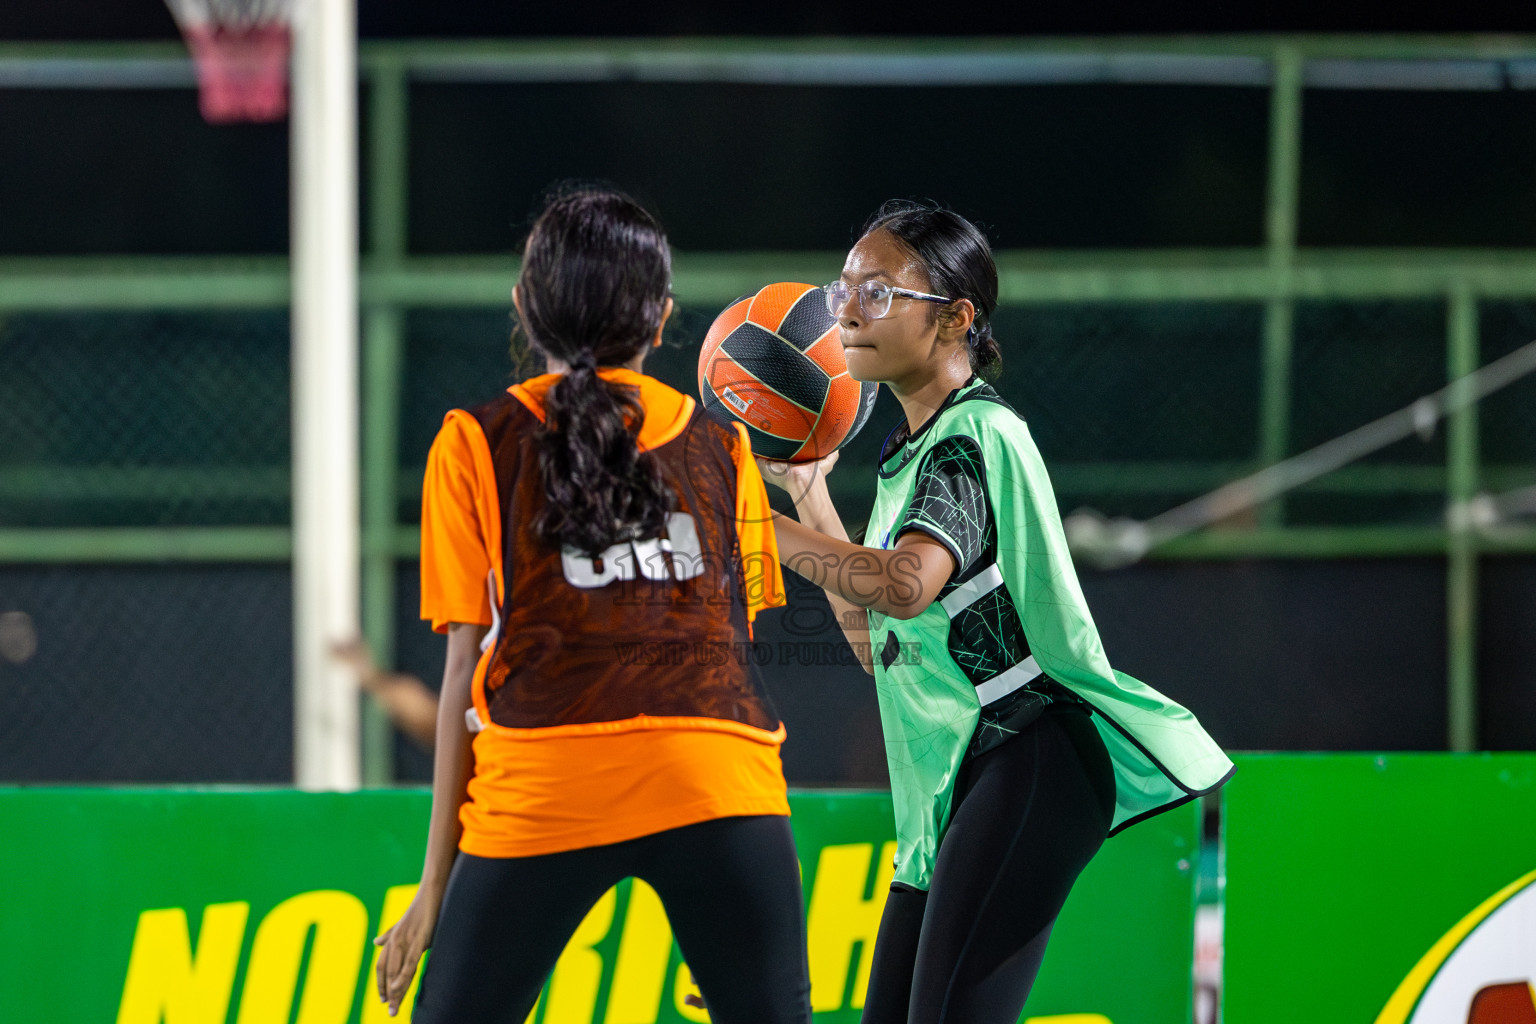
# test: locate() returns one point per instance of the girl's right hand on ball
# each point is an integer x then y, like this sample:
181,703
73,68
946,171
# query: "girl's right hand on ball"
795,477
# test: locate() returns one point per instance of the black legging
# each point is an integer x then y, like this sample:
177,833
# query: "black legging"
1028,817
731,888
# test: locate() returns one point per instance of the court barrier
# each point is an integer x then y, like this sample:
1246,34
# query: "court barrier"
210,906
1394,889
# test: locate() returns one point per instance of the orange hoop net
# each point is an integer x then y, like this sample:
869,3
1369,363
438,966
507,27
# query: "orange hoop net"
241,51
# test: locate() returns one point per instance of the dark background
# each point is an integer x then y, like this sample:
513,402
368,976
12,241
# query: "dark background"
183,673
147,19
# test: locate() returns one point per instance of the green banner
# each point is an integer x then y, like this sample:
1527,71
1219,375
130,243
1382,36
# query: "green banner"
258,907
1390,889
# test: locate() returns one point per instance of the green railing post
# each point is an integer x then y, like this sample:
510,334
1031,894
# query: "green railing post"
1462,457
383,340
387,159
381,428
1280,241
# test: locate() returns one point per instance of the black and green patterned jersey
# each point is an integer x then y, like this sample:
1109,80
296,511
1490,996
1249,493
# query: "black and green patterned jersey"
986,637
961,674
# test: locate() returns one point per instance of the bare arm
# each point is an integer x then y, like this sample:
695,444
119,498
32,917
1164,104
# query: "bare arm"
453,762
410,705
900,582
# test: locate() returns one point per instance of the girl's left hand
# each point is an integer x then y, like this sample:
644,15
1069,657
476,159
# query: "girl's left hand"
795,477
403,944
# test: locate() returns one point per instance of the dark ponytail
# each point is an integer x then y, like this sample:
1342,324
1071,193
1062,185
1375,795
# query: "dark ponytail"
959,263
594,284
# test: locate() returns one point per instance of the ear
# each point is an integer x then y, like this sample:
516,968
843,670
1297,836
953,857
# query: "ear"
666,311
517,300
955,319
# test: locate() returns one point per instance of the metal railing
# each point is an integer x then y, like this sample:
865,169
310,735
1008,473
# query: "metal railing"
1277,274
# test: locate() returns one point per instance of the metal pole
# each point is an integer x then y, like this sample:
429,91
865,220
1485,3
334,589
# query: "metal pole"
387,160
1280,240
380,497
325,488
383,341
1462,456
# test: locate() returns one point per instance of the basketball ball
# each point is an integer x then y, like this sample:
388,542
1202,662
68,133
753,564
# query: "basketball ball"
773,362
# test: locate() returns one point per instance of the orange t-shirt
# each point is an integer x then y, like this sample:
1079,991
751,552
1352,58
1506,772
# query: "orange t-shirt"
546,790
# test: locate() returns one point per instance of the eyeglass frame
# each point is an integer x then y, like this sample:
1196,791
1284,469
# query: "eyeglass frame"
895,290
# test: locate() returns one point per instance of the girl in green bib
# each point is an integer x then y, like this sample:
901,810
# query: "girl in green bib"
1014,748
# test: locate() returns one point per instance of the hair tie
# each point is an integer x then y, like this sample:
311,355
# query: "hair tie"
583,361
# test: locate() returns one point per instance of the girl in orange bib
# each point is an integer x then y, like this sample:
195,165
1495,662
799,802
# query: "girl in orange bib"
596,548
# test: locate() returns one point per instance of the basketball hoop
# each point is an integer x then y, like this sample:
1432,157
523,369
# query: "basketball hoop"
241,51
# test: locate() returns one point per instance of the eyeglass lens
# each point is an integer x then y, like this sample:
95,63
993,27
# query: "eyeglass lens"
874,298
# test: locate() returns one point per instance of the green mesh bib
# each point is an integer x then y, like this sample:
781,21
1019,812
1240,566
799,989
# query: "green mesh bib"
935,671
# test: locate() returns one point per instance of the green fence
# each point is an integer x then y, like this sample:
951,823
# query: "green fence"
204,907
1274,328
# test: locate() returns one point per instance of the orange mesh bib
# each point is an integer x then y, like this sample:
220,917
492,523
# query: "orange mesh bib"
648,629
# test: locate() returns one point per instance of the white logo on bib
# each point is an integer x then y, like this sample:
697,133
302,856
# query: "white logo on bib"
675,556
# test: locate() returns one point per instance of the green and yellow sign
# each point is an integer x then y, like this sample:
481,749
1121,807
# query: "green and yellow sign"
1481,970
259,907
1397,888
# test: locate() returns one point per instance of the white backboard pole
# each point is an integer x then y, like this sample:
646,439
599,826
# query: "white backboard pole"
323,137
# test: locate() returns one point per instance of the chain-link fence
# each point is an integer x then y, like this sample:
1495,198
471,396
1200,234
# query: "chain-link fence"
123,429
144,419
159,673
181,419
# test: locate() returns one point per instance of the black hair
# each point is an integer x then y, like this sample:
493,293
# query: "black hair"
595,279
959,262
